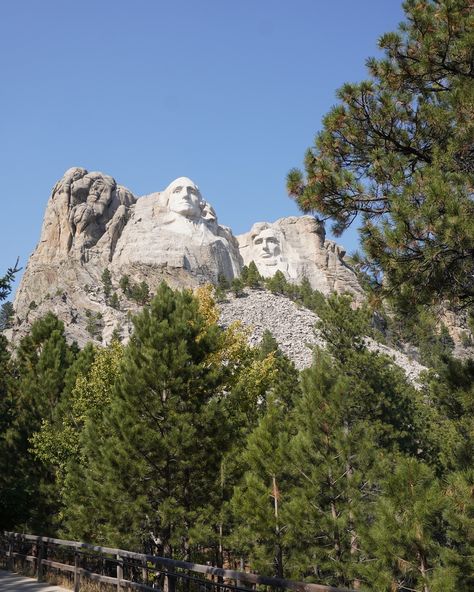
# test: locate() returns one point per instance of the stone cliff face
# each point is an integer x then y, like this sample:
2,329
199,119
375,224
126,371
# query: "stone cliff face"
297,246
92,223
84,218
174,235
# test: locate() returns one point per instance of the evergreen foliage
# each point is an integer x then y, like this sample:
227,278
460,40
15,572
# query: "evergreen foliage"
6,315
125,284
140,293
7,280
114,301
189,442
94,324
277,284
408,534
237,287
253,277
166,398
263,491
58,443
28,491
223,282
106,279
257,502
396,154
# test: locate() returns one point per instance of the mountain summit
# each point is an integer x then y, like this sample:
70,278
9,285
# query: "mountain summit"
93,226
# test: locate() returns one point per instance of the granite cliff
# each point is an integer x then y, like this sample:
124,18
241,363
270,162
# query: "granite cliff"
92,223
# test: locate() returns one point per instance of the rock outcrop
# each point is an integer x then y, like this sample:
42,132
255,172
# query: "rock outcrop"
85,216
294,328
297,246
92,223
175,235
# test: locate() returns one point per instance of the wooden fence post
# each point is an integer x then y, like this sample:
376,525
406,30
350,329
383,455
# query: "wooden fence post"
239,583
39,567
119,572
11,559
77,573
170,582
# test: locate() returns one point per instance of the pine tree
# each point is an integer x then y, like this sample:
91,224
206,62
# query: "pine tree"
7,280
140,293
396,154
285,386
94,324
106,279
58,443
223,282
237,287
42,360
8,504
331,457
254,279
114,301
125,284
160,461
451,414
268,344
312,299
408,532
277,283
259,502
6,315
459,517
357,410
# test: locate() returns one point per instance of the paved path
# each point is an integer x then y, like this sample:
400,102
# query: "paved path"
12,582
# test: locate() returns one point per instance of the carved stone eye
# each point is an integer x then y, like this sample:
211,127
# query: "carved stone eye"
177,189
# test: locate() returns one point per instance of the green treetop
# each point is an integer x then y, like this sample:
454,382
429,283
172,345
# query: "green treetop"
7,280
154,475
41,365
6,315
106,279
396,153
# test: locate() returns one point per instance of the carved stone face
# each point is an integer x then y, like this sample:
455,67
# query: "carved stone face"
266,247
184,198
208,213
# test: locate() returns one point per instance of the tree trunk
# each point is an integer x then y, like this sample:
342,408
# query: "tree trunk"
423,570
353,534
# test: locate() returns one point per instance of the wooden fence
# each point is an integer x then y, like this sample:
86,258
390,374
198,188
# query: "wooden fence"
125,570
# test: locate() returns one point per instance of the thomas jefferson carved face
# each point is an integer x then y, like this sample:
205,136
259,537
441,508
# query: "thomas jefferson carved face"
184,198
266,247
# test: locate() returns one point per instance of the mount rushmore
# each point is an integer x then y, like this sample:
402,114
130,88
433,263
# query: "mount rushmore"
92,223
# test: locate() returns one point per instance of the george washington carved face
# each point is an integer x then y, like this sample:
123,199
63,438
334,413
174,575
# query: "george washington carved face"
183,197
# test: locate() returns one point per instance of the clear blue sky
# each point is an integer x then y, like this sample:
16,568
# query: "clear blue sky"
229,93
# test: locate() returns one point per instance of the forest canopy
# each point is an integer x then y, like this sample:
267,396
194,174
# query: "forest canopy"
188,442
